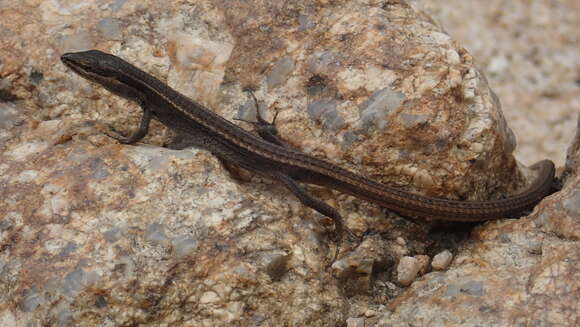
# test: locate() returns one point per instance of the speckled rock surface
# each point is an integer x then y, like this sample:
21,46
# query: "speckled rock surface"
518,273
377,88
94,233
528,51
97,233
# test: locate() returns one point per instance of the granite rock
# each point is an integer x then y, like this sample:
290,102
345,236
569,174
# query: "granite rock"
96,233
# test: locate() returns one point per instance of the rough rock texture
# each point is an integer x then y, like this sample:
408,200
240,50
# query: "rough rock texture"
102,233
528,51
375,87
518,273
93,233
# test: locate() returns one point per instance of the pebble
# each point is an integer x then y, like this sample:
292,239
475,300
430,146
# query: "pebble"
442,260
355,322
407,270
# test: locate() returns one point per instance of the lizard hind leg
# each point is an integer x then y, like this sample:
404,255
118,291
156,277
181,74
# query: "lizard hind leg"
267,131
311,202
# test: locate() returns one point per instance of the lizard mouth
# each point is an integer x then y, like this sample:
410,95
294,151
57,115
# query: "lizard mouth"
69,60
